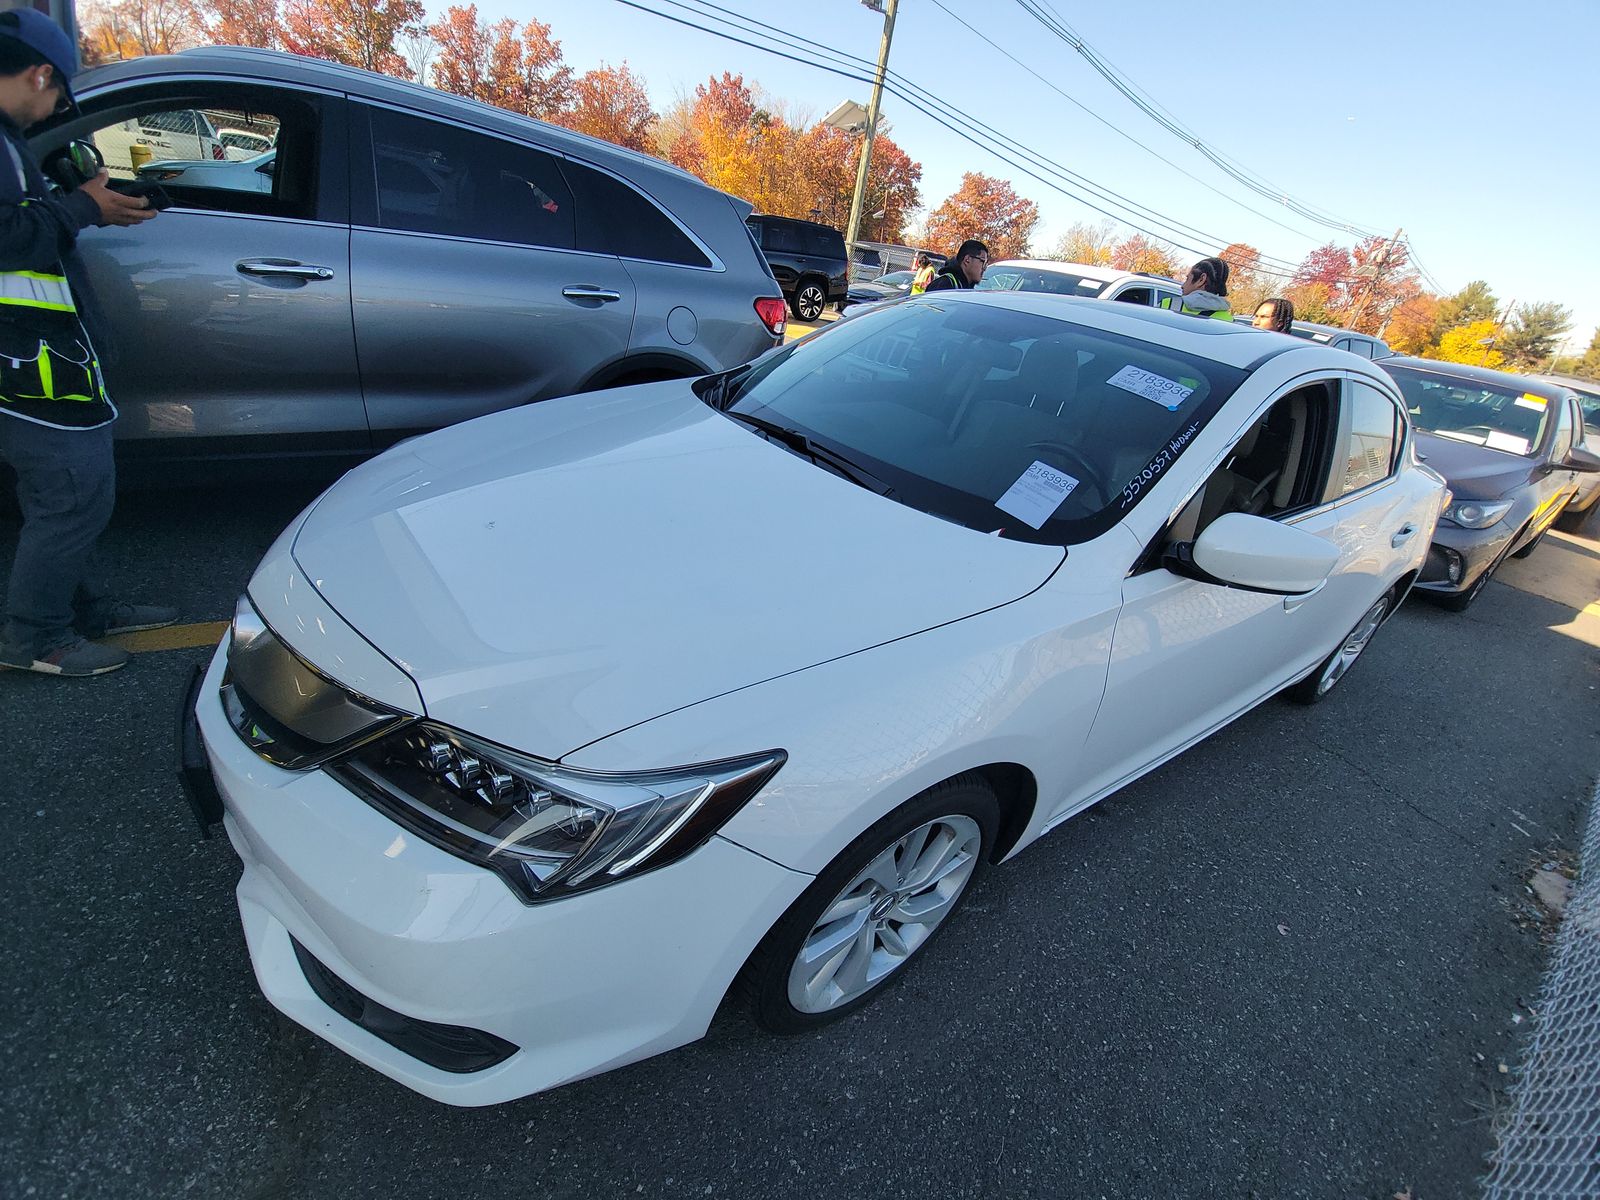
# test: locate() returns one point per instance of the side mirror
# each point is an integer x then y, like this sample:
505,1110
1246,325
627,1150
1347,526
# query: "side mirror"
1258,555
1581,458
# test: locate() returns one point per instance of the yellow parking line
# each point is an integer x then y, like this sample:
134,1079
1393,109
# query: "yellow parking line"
173,637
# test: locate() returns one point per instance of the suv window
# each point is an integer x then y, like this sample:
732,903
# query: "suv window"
200,171
615,219
1374,436
1134,295
431,177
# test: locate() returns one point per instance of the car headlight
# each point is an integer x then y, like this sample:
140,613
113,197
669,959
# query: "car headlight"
1476,514
548,830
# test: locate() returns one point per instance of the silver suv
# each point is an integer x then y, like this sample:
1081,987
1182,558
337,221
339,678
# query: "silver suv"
416,259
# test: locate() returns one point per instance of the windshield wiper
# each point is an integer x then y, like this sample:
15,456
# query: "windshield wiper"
820,454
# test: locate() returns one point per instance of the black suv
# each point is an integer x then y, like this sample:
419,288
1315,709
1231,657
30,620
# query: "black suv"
807,260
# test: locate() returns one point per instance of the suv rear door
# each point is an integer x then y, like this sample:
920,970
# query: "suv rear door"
470,292
230,312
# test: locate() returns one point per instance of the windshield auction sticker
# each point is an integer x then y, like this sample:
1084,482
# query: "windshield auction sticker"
1035,496
1529,400
1168,393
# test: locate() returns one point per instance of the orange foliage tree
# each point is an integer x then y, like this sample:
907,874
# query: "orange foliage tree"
358,33
242,23
132,28
1140,253
521,71
988,209
611,103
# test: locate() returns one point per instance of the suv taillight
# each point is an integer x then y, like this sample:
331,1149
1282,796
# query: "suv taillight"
773,314
218,153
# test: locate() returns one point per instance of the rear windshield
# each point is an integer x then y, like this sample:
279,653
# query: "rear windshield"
1031,279
1025,426
1466,410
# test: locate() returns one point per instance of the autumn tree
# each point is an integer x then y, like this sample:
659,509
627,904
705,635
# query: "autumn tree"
358,33
824,162
1384,279
1472,343
1410,328
1531,337
611,103
132,28
1140,253
241,23
1248,285
1475,302
988,209
1091,245
1320,285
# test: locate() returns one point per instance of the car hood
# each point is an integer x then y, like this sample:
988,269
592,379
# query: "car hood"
551,575
1473,472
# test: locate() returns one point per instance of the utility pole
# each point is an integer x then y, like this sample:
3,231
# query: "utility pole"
1488,343
1379,260
853,229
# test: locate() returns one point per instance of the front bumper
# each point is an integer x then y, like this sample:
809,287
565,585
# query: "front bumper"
412,940
1458,557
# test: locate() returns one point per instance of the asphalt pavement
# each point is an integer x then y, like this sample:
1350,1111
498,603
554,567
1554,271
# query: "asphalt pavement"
1290,963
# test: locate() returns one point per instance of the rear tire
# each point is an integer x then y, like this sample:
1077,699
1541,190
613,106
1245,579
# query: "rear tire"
886,896
809,299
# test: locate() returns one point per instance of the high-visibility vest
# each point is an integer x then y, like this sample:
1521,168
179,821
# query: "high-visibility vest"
1221,314
923,279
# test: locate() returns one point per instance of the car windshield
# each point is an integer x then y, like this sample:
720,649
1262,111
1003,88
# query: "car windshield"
1009,423
896,278
1466,410
1032,279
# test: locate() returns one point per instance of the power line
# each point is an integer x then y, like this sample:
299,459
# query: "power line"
914,99
1166,120
794,41
1119,131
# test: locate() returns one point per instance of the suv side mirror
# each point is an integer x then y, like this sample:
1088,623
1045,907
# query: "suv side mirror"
1256,554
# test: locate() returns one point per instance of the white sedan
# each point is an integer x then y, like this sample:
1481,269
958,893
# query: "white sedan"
538,734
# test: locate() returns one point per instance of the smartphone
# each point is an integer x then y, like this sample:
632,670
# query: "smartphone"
153,192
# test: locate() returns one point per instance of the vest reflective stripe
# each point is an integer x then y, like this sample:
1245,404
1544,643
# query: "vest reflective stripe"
31,289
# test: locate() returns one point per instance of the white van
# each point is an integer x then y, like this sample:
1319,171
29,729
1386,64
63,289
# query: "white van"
240,144
176,134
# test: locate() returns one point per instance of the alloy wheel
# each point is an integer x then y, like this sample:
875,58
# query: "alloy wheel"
883,915
1360,637
810,302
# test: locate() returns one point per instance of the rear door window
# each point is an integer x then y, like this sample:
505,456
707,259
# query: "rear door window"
780,237
613,218
824,243
429,177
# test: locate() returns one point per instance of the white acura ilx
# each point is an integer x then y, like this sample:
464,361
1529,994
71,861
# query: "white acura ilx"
539,734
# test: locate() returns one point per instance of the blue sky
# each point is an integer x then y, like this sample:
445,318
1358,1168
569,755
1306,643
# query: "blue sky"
1471,124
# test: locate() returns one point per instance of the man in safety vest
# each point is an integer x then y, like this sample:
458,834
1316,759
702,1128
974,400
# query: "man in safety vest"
923,265
1205,291
55,416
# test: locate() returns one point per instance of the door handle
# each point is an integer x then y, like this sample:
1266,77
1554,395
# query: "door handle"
588,291
279,268
1290,603
1403,535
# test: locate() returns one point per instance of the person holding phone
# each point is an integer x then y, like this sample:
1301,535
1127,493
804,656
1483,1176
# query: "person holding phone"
55,415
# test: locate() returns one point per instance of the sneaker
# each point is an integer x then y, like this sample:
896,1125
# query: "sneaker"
134,618
75,658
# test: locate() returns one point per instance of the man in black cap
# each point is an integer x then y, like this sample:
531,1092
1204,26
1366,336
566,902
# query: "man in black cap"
55,416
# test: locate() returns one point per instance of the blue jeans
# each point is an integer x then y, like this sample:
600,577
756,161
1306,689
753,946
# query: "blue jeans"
66,489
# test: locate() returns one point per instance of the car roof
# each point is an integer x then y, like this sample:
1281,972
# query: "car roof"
1085,270
257,66
1333,329
1221,341
1505,380
1584,387
761,216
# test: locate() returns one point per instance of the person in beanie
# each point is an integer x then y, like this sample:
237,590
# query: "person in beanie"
55,416
1205,291
963,269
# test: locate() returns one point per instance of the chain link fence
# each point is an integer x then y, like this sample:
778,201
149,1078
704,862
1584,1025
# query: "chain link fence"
1549,1148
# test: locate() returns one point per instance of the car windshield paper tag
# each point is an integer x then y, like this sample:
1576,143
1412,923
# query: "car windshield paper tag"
1506,441
1166,392
1035,497
1529,400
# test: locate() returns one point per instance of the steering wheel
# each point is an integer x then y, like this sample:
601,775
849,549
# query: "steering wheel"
1087,473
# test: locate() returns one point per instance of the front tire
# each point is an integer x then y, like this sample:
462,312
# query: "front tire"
810,298
1315,687
876,906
